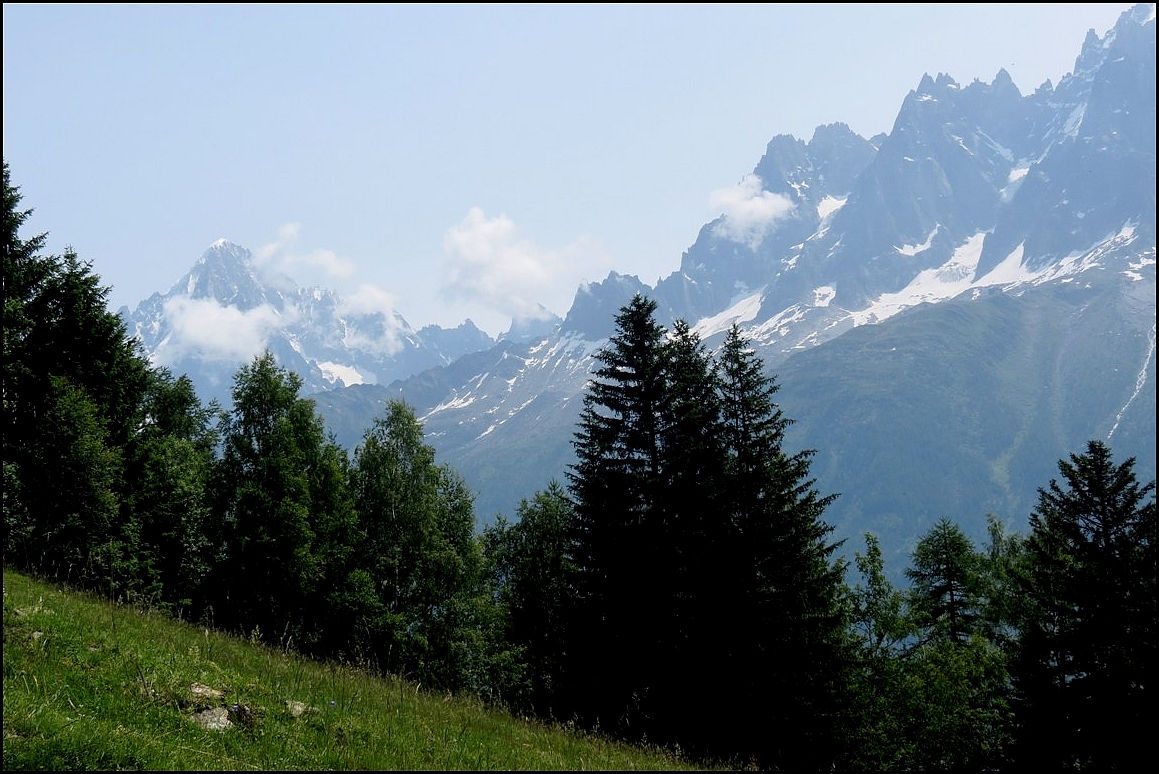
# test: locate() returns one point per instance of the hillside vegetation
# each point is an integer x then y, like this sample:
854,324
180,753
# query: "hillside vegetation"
90,684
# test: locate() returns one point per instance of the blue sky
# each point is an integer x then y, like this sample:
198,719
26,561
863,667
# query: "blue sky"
455,161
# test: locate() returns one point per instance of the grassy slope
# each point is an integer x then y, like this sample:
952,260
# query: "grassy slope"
92,685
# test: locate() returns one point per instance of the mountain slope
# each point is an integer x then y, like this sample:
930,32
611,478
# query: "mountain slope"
950,308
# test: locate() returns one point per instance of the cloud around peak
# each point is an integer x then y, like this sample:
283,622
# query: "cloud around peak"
204,329
488,262
748,212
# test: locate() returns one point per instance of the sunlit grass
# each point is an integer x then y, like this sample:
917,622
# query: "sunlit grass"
93,685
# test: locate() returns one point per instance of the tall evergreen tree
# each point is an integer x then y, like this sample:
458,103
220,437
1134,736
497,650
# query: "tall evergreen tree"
72,385
796,659
617,560
688,538
1087,649
24,272
703,573
956,689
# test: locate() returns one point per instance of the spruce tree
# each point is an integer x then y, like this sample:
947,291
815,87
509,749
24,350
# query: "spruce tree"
1087,649
72,387
794,658
693,532
620,562
703,573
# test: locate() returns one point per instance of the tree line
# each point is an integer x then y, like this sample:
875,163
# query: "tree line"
680,587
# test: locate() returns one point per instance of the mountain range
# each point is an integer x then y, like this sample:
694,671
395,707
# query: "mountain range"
949,310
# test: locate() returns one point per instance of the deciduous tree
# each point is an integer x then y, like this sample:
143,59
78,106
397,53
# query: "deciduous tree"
271,503
420,570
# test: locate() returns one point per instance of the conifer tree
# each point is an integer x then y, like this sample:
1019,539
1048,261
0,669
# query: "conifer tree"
703,575
947,583
1087,651
789,616
72,385
932,691
616,486
694,598
954,704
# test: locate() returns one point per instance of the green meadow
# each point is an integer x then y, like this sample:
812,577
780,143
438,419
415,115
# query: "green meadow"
92,684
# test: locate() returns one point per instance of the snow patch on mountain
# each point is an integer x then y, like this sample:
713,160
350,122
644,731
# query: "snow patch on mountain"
339,374
779,325
830,205
956,276
1076,263
912,250
930,285
823,295
1010,271
742,311
1013,183
1134,270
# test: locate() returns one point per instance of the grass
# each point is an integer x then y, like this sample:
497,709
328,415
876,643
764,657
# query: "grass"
89,684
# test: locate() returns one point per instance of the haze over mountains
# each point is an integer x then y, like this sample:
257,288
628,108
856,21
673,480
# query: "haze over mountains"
950,309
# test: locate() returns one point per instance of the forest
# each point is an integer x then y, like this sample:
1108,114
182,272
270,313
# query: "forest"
680,587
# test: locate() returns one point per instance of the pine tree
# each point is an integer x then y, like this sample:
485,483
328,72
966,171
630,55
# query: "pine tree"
1087,650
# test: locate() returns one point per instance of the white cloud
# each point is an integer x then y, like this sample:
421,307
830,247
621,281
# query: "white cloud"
368,299
373,300
749,213
284,258
206,330
489,264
